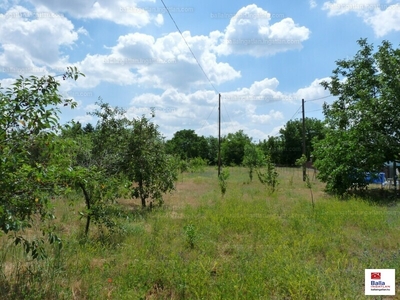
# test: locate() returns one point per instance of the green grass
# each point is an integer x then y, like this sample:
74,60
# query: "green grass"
247,245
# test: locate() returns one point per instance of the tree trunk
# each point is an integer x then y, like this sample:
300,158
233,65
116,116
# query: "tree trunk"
87,201
87,225
142,196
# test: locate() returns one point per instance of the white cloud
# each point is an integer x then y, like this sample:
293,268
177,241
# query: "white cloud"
339,7
83,119
6,82
97,69
259,93
250,32
123,12
275,130
385,21
383,18
162,63
159,19
23,36
313,3
91,107
314,91
267,118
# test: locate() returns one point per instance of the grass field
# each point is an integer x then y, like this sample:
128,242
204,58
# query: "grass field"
247,245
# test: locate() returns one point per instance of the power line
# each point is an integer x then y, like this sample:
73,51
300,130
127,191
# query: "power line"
297,111
210,113
226,111
189,47
318,98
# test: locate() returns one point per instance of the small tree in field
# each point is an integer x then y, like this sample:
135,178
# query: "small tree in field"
253,158
300,162
222,180
270,177
146,164
96,160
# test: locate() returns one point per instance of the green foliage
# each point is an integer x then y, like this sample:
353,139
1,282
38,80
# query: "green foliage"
99,191
253,158
187,145
292,137
110,138
197,164
95,163
287,147
232,148
191,235
273,147
146,164
183,165
222,181
28,168
270,177
362,133
212,150
301,161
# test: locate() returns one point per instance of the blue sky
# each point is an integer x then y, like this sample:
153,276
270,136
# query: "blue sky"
263,57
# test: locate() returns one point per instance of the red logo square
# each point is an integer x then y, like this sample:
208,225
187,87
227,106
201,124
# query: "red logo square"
375,275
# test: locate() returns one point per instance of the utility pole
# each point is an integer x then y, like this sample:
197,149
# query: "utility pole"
395,176
219,135
304,140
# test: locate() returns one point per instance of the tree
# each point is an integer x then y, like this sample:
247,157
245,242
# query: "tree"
292,139
88,128
272,147
253,158
362,127
110,138
232,148
29,110
96,160
270,177
212,150
187,144
147,165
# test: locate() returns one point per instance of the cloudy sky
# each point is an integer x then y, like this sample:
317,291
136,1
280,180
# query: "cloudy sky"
263,57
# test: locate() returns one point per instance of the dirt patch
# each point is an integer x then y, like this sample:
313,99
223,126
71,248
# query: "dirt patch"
160,291
186,193
97,263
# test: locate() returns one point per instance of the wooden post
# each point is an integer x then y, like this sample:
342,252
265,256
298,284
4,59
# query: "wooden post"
394,176
219,135
304,140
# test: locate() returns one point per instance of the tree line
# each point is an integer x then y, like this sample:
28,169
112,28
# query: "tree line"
283,149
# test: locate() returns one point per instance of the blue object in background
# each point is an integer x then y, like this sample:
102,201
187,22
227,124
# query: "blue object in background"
375,178
382,178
